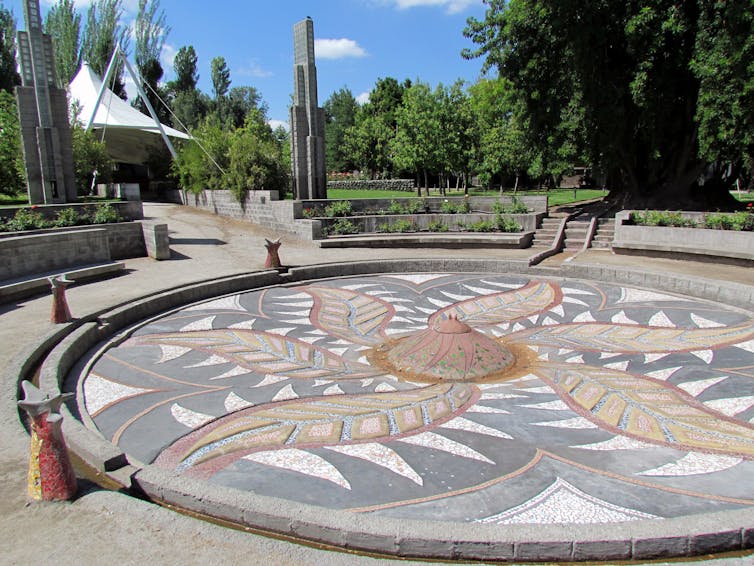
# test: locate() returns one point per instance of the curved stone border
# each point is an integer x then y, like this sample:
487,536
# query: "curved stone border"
677,537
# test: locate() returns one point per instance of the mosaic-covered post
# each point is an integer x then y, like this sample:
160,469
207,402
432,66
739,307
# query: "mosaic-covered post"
60,311
51,476
273,258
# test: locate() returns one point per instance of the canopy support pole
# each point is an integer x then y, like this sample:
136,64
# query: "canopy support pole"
148,104
118,54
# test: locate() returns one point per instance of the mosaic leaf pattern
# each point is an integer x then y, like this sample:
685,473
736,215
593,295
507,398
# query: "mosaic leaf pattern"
508,306
341,420
604,337
265,353
349,314
646,409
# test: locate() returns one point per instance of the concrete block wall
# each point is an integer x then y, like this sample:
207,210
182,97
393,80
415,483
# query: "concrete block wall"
259,207
26,255
374,185
128,210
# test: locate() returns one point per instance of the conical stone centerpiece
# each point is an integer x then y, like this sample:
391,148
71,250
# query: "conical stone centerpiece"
450,350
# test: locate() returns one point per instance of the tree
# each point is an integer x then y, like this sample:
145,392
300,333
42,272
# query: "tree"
184,65
12,180
418,128
220,78
150,32
104,33
256,160
189,105
625,79
63,25
368,141
340,114
9,77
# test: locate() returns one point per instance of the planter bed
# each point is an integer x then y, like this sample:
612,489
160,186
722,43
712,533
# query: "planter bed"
537,204
688,241
514,240
368,224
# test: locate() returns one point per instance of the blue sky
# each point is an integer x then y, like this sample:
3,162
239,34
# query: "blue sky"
358,41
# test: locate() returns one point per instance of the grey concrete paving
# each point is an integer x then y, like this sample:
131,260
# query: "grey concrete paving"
103,526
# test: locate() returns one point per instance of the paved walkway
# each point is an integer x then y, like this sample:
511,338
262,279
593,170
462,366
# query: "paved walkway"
104,525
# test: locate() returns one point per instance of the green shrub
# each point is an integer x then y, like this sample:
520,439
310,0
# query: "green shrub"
507,224
518,207
482,226
26,219
661,218
437,226
396,207
339,208
403,225
414,206
343,227
68,217
448,207
105,214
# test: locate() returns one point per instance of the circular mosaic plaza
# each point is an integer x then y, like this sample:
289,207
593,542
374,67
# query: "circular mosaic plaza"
484,398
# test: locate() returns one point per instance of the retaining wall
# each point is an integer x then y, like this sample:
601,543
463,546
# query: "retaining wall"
128,210
535,203
28,253
670,240
260,207
374,185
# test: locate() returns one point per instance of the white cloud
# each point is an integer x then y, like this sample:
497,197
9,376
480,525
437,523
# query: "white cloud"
167,56
451,6
276,123
337,49
363,98
254,69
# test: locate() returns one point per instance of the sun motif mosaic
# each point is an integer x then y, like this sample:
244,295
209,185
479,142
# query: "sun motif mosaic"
459,397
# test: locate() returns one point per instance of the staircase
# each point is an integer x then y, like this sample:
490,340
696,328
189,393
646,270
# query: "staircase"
575,234
603,237
545,234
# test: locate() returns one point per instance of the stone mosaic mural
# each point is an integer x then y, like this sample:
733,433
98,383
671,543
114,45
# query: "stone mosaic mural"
459,397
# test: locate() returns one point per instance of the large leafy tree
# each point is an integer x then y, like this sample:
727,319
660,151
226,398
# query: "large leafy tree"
629,79
190,106
9,77
150,33
340,114
63,24
220,77
368,141
11,163
103,33
418,130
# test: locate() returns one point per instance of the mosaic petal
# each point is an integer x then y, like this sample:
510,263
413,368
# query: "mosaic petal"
562,503
438,442
381,456
693,464
507,306
302,462
189,418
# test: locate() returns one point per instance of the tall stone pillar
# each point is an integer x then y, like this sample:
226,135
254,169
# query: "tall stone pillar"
43,116
307,119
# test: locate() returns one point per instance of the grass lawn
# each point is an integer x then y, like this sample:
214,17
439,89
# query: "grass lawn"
557,196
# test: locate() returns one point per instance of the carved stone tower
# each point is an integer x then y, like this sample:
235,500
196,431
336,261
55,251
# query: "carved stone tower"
307,119
43,116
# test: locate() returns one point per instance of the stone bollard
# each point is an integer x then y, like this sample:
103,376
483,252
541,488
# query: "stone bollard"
51,476
60,311
273,259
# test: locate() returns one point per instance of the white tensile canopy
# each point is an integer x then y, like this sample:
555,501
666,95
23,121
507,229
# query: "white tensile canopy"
130,136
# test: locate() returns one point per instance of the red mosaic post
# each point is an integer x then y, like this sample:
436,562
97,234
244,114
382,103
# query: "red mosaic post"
60,311
273,259
51,476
